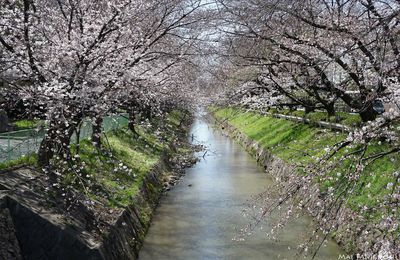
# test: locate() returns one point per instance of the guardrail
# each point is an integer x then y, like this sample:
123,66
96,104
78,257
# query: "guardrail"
323,124
16,144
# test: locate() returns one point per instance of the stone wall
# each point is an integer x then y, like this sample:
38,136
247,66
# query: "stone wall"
126,237
9,246
30,230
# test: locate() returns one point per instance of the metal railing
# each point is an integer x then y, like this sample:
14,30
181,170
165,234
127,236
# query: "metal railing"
16,144
334,126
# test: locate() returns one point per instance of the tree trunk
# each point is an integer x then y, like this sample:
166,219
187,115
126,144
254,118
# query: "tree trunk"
368,114
55,142
147,112
46,151
96,131
131,124
309,109
330,109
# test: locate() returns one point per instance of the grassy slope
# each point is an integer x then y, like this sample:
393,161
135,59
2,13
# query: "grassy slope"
120,179
299,143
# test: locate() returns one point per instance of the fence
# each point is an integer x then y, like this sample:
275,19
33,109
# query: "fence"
329,125
14,145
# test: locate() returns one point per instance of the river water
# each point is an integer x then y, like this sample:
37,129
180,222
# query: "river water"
199,218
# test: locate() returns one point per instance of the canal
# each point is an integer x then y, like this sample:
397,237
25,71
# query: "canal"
199,218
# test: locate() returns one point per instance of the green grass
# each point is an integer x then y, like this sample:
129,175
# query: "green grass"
372,187
118,177
300,144
27,124
25,160
284,138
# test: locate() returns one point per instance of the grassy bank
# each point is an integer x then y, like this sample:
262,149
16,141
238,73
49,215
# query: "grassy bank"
301,144
116,173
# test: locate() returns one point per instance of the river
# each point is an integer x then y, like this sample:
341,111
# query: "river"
201,215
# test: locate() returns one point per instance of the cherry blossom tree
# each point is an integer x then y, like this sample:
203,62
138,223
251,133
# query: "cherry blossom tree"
323,48
81,57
